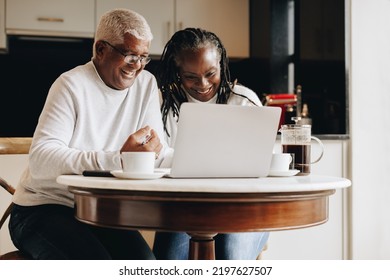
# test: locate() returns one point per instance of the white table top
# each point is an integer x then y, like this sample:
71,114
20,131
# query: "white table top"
227,185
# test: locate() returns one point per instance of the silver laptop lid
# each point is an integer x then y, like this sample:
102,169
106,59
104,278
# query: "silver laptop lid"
219,140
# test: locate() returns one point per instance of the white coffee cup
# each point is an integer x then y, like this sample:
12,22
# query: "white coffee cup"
281,162
138,162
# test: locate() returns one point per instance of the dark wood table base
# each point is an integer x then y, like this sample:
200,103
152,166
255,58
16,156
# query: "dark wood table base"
201,215
202,246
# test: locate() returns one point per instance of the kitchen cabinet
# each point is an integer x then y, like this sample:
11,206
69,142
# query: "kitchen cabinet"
322,242
322,30
65,18
229,19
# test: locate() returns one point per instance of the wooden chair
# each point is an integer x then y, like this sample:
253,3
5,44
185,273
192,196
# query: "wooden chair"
12,146
14,255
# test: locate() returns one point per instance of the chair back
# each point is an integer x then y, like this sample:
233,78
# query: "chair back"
11,146
14,255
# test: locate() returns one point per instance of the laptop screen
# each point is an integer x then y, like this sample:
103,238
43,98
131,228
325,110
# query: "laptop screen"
219,140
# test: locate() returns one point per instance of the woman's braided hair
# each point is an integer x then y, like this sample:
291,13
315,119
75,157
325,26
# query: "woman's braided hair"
168,72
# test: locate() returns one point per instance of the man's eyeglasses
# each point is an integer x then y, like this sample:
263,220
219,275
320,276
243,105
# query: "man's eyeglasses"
131,58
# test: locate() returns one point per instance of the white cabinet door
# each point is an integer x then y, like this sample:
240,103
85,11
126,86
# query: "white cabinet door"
228,19
322,242
69,18
158,13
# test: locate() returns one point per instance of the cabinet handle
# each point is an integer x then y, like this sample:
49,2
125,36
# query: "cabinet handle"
169,30
180,25
50,19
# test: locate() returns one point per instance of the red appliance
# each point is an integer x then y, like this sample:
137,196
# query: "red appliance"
286,101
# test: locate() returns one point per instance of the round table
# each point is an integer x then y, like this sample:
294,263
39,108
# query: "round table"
203,207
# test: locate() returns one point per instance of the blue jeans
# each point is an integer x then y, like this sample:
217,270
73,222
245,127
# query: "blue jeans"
51,232
231,246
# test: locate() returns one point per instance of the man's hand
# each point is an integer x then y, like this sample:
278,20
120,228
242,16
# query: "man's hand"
144,139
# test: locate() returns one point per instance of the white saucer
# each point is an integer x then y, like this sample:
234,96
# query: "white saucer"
286,173
138,176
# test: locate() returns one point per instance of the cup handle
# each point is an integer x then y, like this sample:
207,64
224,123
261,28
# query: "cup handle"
117,157
292,161
322,148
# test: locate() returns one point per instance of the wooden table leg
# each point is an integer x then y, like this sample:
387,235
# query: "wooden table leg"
202,246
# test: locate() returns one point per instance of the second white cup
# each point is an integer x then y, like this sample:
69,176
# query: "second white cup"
138,162
282,162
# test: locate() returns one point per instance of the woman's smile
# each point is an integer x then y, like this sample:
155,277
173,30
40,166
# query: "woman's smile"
204,91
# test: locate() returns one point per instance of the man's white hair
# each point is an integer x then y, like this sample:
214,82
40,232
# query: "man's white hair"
114,24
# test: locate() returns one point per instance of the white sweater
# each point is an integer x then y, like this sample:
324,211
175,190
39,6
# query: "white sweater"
83,125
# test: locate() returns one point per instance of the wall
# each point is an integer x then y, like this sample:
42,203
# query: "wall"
369,128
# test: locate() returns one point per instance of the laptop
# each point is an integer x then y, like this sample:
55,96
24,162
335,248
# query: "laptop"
224,141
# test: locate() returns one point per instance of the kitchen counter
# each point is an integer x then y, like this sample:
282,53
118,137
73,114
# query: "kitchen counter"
15,145
332,136
21,145
328,136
